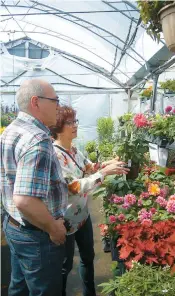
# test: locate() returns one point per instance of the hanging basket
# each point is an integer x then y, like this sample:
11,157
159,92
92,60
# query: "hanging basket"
167,18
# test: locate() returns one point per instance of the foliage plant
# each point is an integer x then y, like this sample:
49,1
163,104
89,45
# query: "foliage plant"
102,149
105,129
91,149
142,280
147,243
149,12
168,85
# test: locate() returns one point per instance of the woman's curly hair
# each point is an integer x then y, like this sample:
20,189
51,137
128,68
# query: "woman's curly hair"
64,113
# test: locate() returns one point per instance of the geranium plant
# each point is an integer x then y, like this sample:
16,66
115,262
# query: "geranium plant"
132,145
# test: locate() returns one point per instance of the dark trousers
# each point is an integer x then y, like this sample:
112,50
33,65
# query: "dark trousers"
85,243
36,262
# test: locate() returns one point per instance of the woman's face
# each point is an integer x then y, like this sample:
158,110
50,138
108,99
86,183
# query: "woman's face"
70,128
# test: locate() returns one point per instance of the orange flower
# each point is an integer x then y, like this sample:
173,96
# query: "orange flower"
153,189
74,187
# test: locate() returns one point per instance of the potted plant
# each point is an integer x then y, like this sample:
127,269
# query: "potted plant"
131,146
91,149
159,131
142,280
159,16
145,222
168,86
146,93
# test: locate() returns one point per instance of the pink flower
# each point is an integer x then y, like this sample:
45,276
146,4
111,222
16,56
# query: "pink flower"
121,217
112,219
140,203
130,199
140,120
153,211
117,199
161,201
144,195
146,222
126,206
171,204
168,109
144,214
164,192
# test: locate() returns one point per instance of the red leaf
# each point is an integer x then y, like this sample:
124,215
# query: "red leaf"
170,260
125,252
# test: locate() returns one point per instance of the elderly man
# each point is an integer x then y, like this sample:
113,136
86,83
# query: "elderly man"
34,194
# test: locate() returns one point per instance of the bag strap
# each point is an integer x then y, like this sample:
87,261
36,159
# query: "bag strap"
62,149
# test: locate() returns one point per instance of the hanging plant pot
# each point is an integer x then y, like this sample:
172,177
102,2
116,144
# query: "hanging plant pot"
167,18
169,92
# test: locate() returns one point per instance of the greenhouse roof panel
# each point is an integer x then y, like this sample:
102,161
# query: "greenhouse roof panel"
108,34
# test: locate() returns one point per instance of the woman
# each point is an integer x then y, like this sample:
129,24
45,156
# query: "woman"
82,177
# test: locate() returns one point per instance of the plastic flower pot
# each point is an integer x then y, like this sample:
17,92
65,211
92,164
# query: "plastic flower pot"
133,173
120,269
167,18
106,245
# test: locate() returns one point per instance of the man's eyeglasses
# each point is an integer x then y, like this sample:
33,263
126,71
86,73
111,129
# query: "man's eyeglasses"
51,99
72,122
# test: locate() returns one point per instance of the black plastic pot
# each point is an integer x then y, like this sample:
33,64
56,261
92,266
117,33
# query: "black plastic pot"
133,173
106,245
120,269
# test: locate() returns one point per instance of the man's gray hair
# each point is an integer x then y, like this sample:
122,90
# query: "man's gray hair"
28,89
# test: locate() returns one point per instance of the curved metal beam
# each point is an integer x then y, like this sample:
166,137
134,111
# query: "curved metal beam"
89,23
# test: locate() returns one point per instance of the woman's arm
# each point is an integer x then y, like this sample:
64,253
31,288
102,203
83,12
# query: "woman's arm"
84,185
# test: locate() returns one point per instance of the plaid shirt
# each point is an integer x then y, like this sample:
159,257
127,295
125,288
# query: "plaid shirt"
29,166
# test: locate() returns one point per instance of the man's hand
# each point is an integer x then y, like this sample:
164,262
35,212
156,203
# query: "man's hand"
58,232
115,168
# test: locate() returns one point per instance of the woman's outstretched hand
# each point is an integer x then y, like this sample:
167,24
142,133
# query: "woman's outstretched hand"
108,162
115,168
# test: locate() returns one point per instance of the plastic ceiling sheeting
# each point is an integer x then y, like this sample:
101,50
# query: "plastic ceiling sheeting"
89,108
56,69
106,33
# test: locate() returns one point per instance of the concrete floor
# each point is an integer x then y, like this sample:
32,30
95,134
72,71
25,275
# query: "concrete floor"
102,260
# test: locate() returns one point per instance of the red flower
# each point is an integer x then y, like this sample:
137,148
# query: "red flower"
112,219
153,210
140,120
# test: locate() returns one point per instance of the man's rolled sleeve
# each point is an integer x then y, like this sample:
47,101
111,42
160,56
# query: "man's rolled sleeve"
33,171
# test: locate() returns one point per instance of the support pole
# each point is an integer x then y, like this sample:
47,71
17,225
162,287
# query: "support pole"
154,97
129,99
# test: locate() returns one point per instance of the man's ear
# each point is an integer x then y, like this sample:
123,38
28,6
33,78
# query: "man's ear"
34,102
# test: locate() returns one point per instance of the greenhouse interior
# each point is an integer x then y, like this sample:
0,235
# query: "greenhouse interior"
111,64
